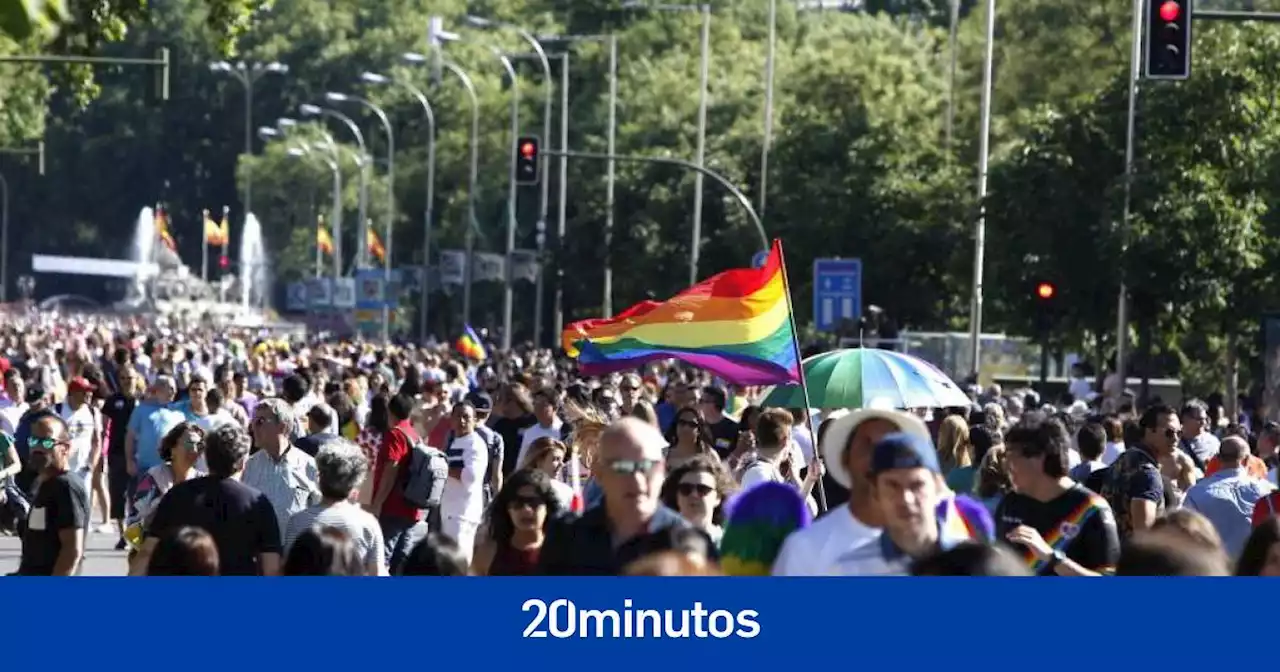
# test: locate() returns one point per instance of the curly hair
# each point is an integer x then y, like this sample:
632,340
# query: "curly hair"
173,436
500,527
993,473
725,485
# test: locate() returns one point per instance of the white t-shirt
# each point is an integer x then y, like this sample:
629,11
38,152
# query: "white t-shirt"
801,437
1111,452
533,434
463,497
81,424
10,415
765,472
818,549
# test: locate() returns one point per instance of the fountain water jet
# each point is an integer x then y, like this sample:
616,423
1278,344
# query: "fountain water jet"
253,264
144,237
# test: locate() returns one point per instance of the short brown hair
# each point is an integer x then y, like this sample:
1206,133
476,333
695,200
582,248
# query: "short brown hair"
774,427
1113,428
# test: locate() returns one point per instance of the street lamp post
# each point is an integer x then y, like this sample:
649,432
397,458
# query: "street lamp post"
335,210
428,210
474,171
248,75
508,295
314,110
548,88
38,151
769,68
980,228
703,75
391,196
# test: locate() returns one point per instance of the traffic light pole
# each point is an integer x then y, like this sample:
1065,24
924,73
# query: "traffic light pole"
1236,17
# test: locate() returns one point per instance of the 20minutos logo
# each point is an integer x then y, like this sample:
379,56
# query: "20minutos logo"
563,619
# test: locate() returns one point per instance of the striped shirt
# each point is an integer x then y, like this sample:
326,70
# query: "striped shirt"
358,524
288,483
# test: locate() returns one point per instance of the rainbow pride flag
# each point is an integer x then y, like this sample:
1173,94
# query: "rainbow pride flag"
736,325
469,345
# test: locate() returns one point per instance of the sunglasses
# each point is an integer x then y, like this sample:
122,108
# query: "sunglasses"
632,466
689,423
37,443
691,489
521,501
193,441
628,388
263,420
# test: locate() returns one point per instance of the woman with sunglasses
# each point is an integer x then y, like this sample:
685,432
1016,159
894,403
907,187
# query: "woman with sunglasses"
549,456
698,490
180,450
517,526
689,437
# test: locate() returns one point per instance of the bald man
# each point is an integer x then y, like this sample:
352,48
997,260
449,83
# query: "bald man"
631,522
53,541
1228,497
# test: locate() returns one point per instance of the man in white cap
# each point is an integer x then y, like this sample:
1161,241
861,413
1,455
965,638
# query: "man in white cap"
846,450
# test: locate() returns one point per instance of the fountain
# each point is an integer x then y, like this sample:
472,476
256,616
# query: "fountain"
144,237
254,271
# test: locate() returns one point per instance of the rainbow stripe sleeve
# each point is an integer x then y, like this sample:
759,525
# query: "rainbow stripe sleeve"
736,325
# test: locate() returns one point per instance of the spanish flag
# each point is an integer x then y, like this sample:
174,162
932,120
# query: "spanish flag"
212,232
224,230
162,229
468,344
375,244
323,240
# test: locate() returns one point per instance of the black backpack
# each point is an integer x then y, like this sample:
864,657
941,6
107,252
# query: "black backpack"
425,474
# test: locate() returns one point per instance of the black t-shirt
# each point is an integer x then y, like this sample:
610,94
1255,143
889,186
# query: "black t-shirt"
118,408
725,435
239,518
511,430
1077,522
60,504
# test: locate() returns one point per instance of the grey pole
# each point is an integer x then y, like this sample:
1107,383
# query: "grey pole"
4,239
610,173
248,75
1122,307
428,214
557,324
952,42
769,66
980,229
361,249
335,218
508,295
473,176
702,144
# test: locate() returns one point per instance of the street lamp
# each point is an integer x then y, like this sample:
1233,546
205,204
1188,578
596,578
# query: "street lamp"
701,159
336,208
483,23
309,110
248,75
508,294
428,210
391,195
419,59
612,132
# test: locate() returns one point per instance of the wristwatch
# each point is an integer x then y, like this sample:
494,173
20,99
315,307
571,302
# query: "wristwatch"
1056,559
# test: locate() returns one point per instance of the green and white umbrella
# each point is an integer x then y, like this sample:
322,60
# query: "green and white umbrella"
869,378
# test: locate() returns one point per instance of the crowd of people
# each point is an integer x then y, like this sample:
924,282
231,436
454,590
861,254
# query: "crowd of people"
234,453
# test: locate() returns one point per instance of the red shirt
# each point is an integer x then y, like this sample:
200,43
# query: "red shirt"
395,448
1266,508
439,435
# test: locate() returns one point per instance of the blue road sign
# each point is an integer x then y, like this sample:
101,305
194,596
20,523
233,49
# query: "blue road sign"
371,289
759,258
837,292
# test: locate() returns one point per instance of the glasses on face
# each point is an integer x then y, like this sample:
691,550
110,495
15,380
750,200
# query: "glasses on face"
688,423
628,389
527,501
42,443
193,441
627,467
263,420
1170,432
698,489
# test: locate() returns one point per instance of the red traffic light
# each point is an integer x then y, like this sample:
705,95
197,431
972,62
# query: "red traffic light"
223,262
1045,291
1170,11
527,150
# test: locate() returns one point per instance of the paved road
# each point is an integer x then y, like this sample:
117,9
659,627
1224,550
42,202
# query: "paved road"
101,558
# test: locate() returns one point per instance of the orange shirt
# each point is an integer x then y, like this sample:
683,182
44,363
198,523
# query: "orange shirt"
1253,465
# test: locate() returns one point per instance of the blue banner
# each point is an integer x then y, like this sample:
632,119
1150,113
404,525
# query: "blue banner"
611,624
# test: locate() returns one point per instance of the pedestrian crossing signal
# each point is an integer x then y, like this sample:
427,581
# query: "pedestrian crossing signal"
527,160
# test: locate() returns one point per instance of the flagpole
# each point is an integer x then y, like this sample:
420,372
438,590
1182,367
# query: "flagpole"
804,386
319,227
204,246
225,232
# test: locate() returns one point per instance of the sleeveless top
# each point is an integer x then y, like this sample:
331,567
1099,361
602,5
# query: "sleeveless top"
508,561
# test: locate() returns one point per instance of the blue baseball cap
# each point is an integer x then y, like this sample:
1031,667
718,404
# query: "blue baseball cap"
904,451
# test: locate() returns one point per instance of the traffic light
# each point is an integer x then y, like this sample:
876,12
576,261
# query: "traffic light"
224,262
1045,296
1168,39
527,156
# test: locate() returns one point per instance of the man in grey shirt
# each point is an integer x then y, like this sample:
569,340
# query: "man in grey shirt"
342,467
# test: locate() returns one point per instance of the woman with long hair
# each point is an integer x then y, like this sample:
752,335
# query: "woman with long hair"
954,449
689,437
548,455
180,451
377,424
517,526
1261,554
698,490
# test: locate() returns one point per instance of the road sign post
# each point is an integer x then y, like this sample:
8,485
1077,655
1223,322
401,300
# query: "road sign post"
837,292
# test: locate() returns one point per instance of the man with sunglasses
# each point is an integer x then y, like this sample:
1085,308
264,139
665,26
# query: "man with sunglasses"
1133,484
631,522
53,542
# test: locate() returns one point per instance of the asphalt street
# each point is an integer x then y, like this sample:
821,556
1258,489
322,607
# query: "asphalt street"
101,558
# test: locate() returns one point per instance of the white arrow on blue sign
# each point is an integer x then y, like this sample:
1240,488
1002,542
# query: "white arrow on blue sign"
837,292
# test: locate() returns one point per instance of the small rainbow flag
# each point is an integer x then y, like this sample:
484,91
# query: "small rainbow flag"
736,325
469,345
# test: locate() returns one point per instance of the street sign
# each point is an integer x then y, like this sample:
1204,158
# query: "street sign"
344,293
296,299
319,293
837,292
371,289
759,259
